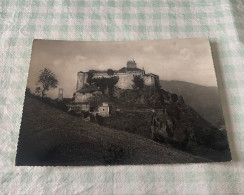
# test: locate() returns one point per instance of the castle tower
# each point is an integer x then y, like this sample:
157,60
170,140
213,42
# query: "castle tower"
143,71
60,94
81,80
131,63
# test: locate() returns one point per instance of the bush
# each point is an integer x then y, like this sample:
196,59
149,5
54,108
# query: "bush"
100,119
106,83
138,82
110,72
46,100
62,106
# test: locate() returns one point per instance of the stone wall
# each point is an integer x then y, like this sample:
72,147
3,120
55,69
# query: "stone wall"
82,97
86,97
101,75
81,80
125,81
149,80
103,110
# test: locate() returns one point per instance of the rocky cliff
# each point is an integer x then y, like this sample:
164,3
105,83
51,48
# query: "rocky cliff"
190,123
204,99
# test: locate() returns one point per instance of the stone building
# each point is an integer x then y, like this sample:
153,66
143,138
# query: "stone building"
104,110
150,79
125,74
87,94
60,94
101,74
81,80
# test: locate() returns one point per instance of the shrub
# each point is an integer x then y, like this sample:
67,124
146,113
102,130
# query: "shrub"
138,82
62,106
100,119
110,72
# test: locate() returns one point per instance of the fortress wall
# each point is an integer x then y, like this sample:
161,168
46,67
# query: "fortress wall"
81,80
100,75
149,80
82,97
125,78
125,81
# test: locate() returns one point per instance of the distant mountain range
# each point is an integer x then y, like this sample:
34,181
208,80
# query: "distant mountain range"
205,100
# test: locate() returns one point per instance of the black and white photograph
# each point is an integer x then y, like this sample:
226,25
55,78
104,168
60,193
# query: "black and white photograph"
93,103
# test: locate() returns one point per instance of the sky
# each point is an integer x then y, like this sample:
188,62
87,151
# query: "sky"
186,60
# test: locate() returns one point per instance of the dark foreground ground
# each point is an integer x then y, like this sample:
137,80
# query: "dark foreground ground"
49,136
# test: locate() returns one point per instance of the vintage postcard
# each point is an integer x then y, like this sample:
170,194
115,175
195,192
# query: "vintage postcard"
121,103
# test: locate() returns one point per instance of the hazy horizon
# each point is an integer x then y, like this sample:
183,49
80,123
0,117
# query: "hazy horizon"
187,60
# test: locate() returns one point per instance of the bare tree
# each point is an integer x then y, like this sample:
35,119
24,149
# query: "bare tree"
47,79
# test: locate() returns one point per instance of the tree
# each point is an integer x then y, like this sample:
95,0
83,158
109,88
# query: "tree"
110,72
111,83
38,91
138,82
90,76
106,83
157,84
48,80
101,83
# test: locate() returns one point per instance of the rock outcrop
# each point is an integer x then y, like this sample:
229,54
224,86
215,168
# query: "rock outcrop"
173,120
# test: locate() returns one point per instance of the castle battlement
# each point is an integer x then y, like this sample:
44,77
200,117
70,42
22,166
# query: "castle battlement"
126,76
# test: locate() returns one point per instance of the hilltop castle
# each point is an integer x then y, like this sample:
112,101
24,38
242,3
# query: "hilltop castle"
125,75
84,91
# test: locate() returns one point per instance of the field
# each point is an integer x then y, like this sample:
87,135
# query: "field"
49,136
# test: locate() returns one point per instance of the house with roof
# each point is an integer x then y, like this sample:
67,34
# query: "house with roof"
103,109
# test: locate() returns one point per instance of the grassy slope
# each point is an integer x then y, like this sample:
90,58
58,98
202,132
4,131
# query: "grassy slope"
49,136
